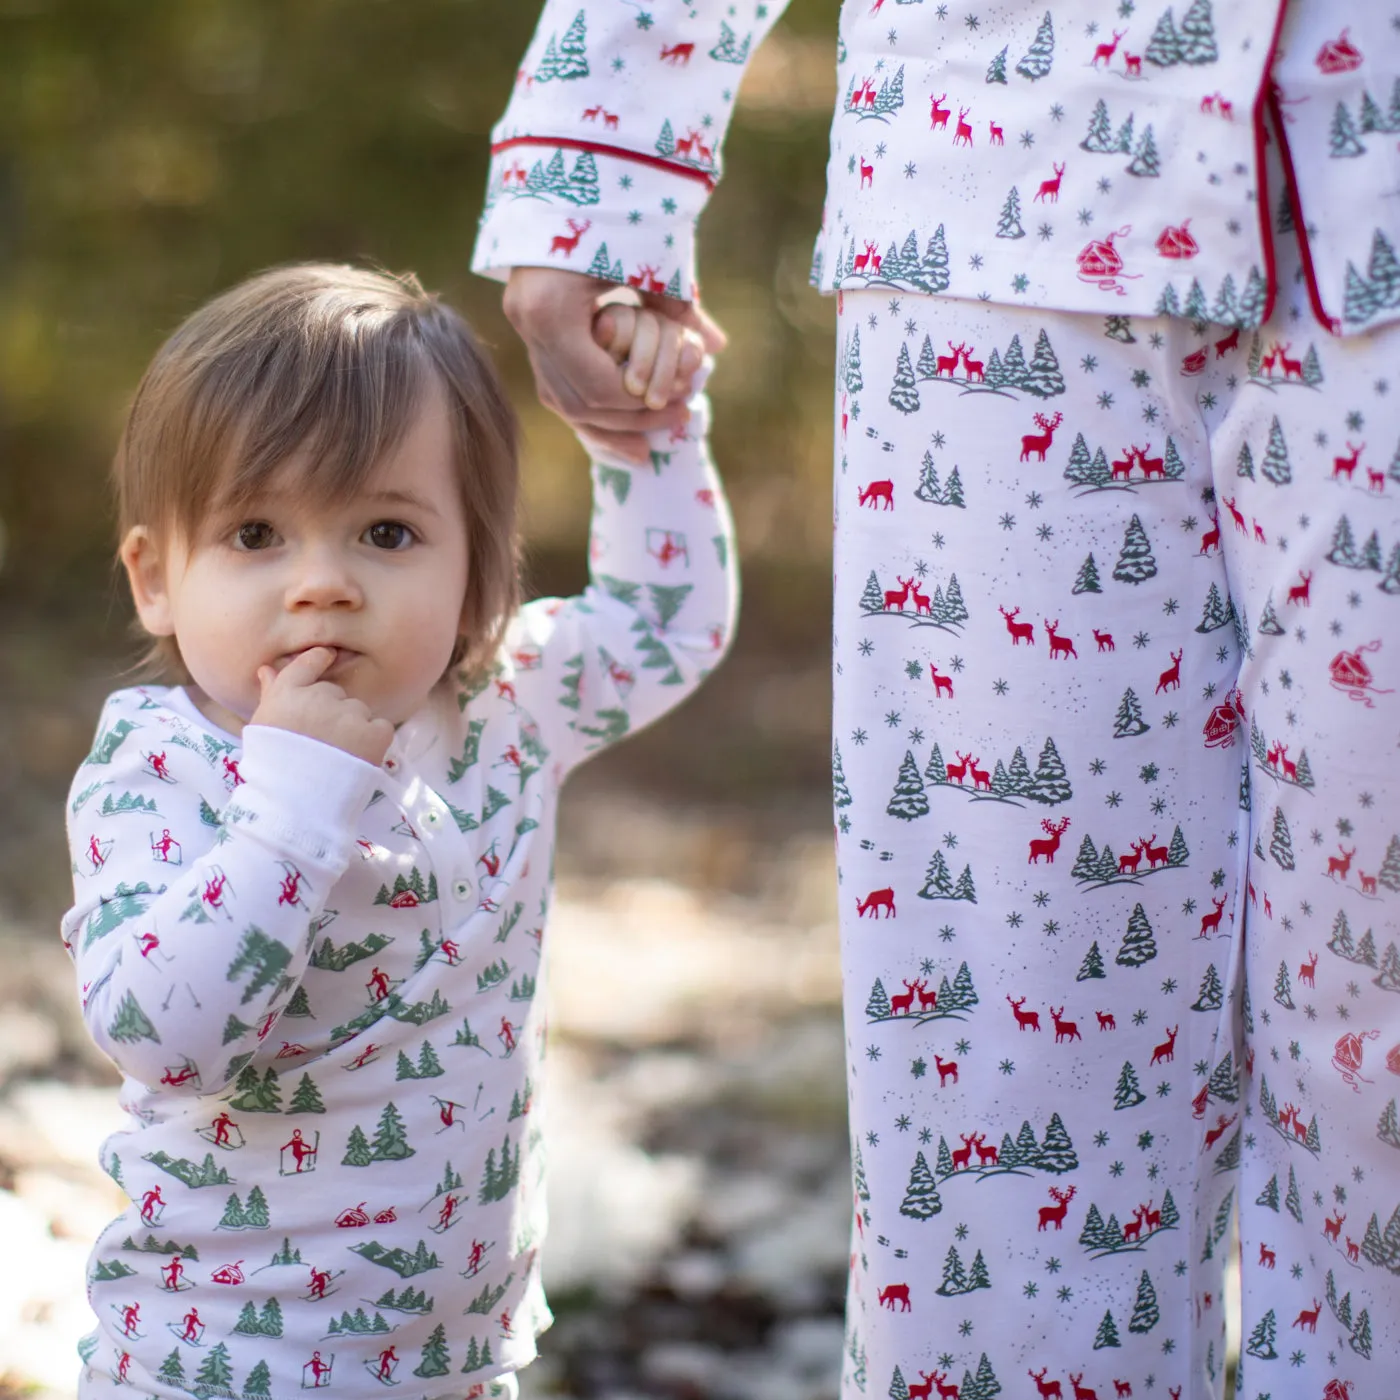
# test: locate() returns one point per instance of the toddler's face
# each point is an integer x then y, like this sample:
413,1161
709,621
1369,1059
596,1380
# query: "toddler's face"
381,576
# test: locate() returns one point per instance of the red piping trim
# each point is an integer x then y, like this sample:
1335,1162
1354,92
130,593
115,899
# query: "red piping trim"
600,149
1261,140
1329,323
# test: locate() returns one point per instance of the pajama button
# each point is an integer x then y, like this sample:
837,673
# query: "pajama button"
392,764
431,819
462,889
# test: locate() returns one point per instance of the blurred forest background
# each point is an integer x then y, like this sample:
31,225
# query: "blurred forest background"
153,154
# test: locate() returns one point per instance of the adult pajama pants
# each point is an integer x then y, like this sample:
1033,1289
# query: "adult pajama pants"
1117,682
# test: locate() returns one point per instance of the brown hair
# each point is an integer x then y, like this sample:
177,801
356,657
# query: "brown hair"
330,361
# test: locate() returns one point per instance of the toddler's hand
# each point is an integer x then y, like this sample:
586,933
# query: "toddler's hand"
658,355
295,698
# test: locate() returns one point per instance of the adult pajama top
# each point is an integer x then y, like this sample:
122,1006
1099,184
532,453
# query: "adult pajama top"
321,981
1101,155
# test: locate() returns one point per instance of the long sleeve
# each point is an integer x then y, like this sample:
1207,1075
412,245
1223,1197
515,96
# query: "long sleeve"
616,127
198,882
659,609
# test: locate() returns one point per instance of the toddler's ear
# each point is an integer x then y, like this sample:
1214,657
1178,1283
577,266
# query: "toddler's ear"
145,572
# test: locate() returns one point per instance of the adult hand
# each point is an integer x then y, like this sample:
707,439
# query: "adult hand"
296,698
553,310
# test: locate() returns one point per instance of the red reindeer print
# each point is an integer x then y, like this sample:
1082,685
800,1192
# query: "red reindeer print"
1340,865
1307,1317
1082,1392
1208,102
996,136
1122,1390
1307,972
1020,631
642,279
945,1392
1210,923
987,1155
904,1002
1055,1215
957,771
1064,1030
928,1001
1292,369
1151,466
677,54
1222,1126
1368,882
1130,863
1024,1019
1106,1020
1228,343
874,902
1059,646
1156,855
922,1390
895,1293
1332,1227
1346,466
940,684
938,116
1104,639
566,243
591,114
948,363
867,174
878,491
964,131
1133,1228
1132,62
1151,1218
1301,592
1047,847
923,604
1165,1053
972,368
962,1158
1375,481
1353,1250
1106,51
1123,466
1211,539
1049,189
1040,442
1226,109
1049,1390
898,597
1266,363
1267,1257
1235,515
1259,537
947,1069
611,120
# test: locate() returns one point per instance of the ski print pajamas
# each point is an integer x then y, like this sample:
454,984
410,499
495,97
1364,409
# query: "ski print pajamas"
321,981
1116,660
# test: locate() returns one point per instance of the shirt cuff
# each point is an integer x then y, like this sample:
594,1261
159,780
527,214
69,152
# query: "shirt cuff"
644,238
300,795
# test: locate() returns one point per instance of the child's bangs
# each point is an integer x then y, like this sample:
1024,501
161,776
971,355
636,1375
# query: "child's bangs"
316,416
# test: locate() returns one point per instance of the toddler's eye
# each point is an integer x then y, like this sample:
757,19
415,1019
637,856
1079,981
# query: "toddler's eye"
389,534
254,534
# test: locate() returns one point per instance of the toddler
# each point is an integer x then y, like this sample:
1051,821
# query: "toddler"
312,878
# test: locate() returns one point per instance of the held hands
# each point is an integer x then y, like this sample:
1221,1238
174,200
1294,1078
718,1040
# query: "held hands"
296,698
553,311
659,357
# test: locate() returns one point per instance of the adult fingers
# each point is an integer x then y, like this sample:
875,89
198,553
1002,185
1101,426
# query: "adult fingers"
642,357
692,315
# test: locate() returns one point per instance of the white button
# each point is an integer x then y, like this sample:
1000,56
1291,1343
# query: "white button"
431,818
462,889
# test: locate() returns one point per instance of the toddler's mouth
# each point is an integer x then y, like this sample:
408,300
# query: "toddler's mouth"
342,655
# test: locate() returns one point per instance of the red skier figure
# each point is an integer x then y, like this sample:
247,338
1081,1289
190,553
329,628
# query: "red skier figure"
505,1322
157,762
149,1202
490,859
291,885
299,1149
478,1252
452,952
149,943
445,1214
232,777
506,1035
388,1359
446,1111
362,1059
171,1273
319,1369
165,844
193,1326
95,854
131,1315
378,984
123,1365
320,1281
221,1125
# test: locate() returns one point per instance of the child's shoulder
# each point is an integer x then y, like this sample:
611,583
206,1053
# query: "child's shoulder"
152,726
